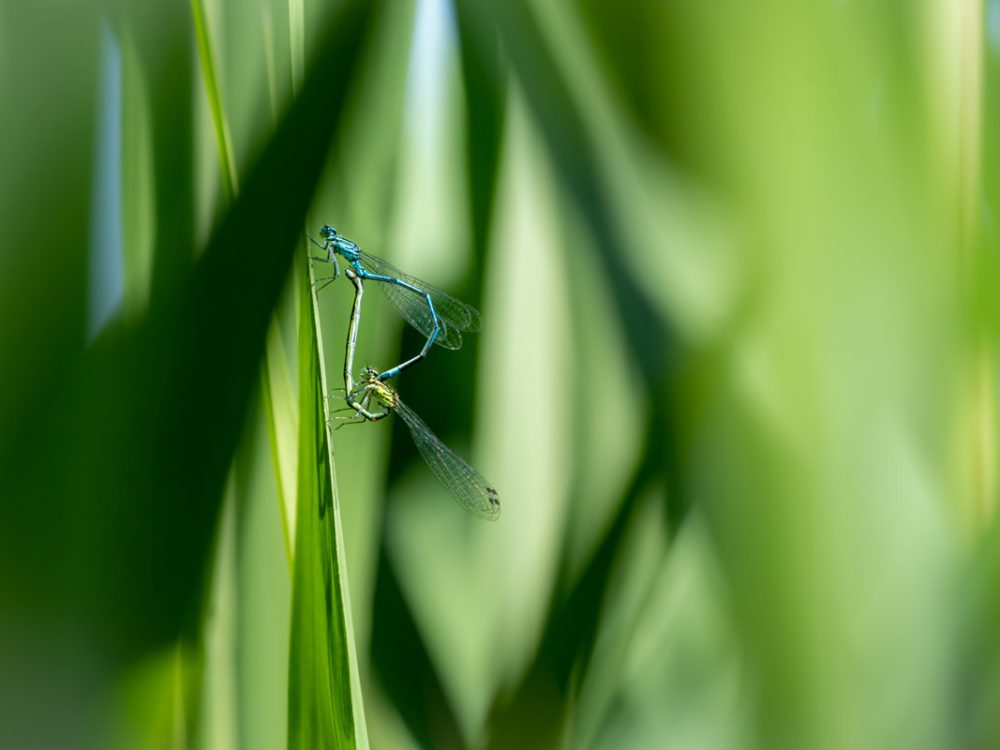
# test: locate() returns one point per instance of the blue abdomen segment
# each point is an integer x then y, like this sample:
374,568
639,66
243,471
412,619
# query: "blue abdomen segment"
435,322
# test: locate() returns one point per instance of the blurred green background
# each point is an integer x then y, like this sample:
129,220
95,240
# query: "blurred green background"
737,381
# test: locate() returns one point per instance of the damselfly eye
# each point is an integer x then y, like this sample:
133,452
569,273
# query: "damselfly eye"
328,231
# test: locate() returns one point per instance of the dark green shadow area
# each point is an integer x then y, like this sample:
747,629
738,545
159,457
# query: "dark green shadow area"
403,664
164,41
136,448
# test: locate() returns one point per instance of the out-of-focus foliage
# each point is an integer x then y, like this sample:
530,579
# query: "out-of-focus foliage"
737,381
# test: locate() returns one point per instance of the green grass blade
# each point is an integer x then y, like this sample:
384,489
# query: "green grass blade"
296,40
267,29
325,708
277,396
572,145
209,72
162,37
137,181
324,703
484,86
282,429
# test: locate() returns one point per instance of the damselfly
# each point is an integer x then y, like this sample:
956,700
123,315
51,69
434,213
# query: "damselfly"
373,400
436,314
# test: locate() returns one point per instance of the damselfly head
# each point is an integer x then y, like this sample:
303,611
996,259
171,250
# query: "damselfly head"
328,232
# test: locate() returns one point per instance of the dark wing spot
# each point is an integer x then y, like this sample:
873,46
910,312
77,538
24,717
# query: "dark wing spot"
492,496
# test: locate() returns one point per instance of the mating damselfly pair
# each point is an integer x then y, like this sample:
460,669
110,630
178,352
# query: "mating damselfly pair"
442,319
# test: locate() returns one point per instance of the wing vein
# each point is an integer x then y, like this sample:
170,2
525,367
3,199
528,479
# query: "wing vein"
465,484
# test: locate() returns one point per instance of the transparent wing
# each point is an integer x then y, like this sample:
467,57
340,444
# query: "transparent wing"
457,314
454,315
465,484
414,309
